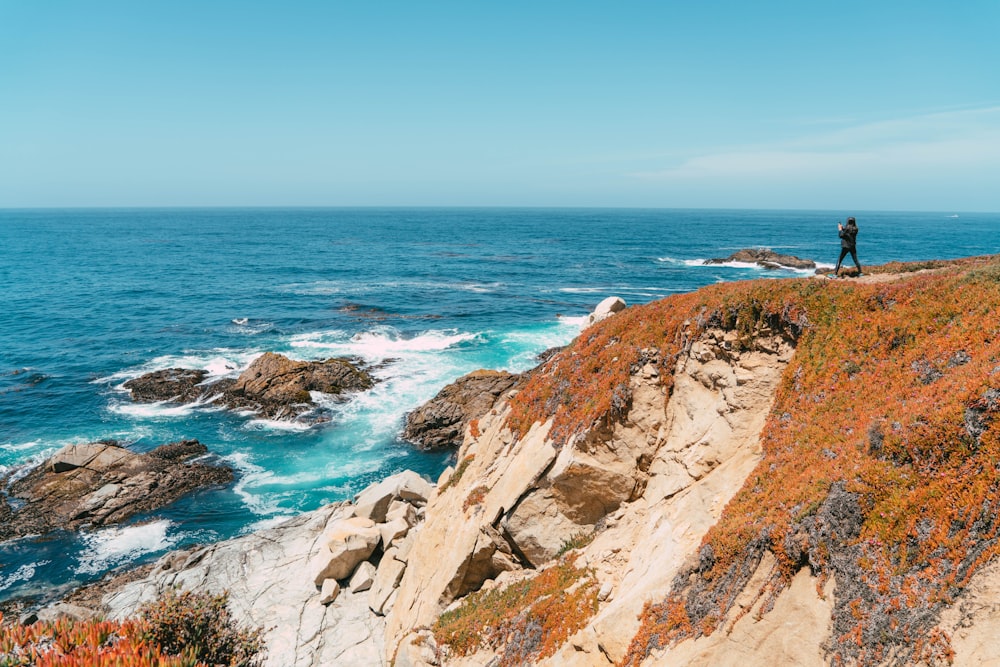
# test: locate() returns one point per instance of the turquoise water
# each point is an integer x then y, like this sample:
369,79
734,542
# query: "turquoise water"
92,298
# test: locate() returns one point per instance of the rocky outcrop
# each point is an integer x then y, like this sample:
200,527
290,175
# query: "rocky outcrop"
645,490
273,386
765,258
102,483
441,422
318,584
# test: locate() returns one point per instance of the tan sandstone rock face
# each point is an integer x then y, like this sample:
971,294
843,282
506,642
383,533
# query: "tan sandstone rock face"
655,482
972,622
707,442
791,633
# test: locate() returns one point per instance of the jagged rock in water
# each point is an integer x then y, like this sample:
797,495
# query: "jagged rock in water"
274,386
441,421
102,483
765,258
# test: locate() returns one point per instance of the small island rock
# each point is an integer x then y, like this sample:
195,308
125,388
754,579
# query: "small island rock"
273,386
765,258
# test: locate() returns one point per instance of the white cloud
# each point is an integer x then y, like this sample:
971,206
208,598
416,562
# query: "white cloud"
930,147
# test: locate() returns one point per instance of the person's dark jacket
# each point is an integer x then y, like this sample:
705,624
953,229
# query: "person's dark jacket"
848,236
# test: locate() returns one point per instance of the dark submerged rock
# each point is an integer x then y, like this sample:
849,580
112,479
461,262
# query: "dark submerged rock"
102,483
765,258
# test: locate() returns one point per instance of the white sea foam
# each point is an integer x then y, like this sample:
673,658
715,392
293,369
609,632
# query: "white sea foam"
481,288
252,475
110,547
250,327
277,425
681,262
753,266
264,524
23,468
21,446
163,409
582,290
379,344
219,362
25,572
572,322
628,290
330,287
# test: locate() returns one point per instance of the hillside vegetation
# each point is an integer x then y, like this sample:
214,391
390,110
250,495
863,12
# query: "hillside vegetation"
880,465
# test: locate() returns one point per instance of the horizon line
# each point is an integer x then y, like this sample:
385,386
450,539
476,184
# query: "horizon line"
190,207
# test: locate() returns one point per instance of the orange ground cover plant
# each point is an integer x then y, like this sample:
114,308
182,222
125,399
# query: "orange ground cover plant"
525,621
178,630
881,467
880,459
84,644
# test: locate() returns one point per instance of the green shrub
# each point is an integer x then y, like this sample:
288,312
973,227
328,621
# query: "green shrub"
199,625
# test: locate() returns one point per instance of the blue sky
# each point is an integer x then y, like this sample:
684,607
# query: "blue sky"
842,105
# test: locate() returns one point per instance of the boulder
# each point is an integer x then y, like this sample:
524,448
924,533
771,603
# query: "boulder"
399,509
393,530
387,578
413,487
604,310
363,577
65,611
329,592
373,502
765,258
441,422
102,483
99,455
404,488
417,650
347,543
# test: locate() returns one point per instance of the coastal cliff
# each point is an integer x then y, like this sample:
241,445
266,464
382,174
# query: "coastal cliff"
783,471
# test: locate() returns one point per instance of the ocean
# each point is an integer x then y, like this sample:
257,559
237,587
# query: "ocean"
90,298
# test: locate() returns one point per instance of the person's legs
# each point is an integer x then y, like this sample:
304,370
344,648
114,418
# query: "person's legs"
854,256
843,254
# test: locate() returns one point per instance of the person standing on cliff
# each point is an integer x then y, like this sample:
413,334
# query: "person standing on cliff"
848,244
